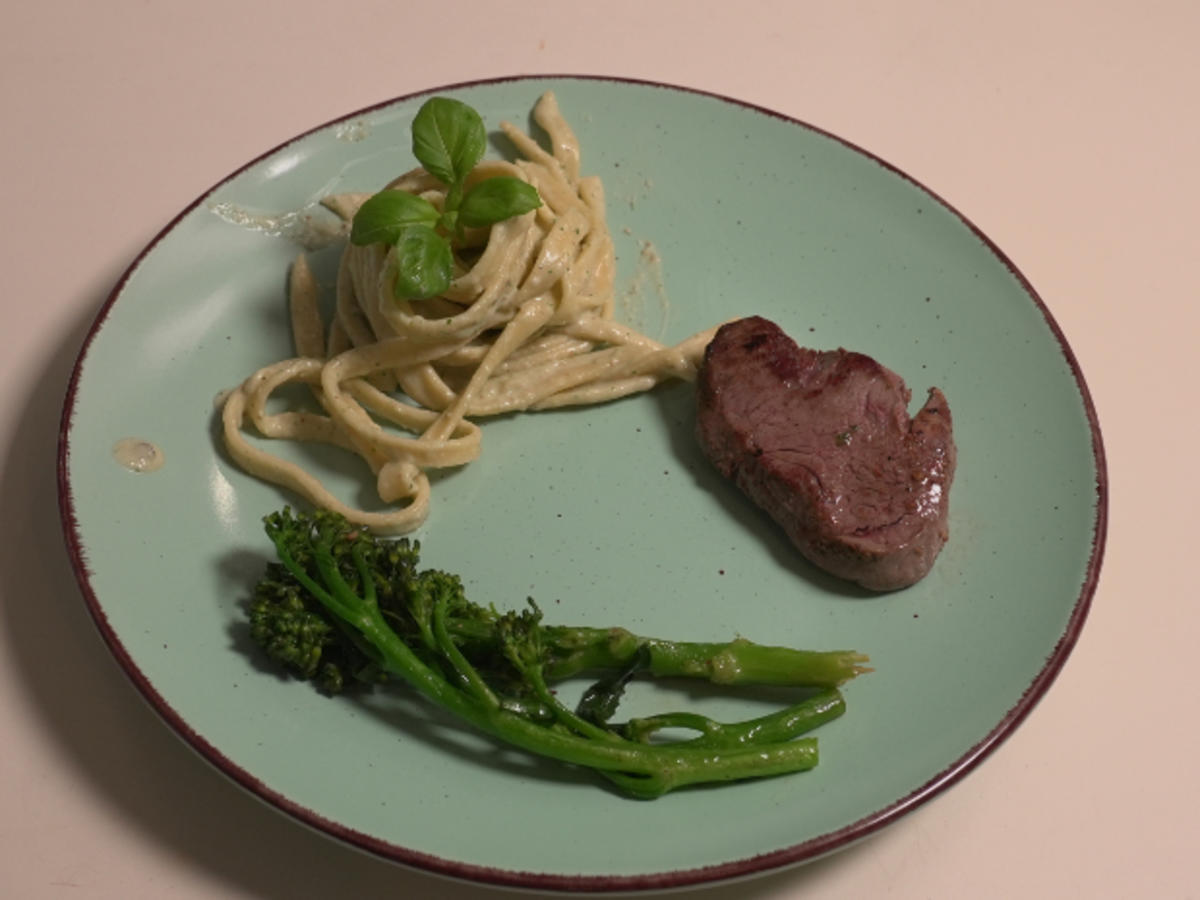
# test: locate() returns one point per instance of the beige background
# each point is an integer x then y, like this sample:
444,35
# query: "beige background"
1067,131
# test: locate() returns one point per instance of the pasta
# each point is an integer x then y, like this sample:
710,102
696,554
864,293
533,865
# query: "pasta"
526,324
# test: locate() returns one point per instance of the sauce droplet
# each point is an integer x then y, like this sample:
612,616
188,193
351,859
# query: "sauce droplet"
138,455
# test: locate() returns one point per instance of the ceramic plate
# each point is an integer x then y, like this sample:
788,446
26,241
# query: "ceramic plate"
606,515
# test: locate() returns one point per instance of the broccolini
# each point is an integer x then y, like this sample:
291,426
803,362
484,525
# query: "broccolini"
344,608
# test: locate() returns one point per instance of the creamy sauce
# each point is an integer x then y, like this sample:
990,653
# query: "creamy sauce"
644,301
138,455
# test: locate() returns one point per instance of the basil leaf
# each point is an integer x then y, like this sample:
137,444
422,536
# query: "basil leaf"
448,139
424,263
383,216
497,199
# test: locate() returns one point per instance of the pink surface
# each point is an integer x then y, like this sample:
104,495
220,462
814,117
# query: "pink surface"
1069,136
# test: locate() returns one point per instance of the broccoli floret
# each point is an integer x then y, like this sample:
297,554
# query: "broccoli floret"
343,607
283,624
298,633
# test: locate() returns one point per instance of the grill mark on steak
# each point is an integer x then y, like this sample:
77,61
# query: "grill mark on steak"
823,442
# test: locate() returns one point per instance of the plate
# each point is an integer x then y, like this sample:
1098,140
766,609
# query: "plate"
607,515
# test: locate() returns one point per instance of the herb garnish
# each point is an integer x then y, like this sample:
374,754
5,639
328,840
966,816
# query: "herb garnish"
448,139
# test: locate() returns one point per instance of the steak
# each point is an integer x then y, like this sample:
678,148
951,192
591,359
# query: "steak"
823,442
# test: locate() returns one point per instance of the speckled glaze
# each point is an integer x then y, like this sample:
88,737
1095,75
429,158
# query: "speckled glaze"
608,515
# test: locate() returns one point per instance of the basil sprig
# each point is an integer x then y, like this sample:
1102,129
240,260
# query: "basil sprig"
448,139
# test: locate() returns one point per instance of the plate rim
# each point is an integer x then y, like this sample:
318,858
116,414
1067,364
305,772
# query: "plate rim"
792,855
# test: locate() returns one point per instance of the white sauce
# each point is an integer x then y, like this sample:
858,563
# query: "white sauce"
138,455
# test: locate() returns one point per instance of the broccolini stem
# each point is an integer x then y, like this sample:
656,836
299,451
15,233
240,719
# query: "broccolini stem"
742,661
564,714
801,755
781,725
736,662
471,678
643,770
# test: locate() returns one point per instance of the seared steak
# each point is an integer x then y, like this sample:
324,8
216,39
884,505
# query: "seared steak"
822,441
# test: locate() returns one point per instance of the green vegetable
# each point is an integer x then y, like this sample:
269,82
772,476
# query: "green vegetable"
343,608
384,216
448,139
496,199
424,262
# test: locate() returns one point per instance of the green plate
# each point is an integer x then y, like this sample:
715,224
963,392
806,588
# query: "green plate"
607,515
